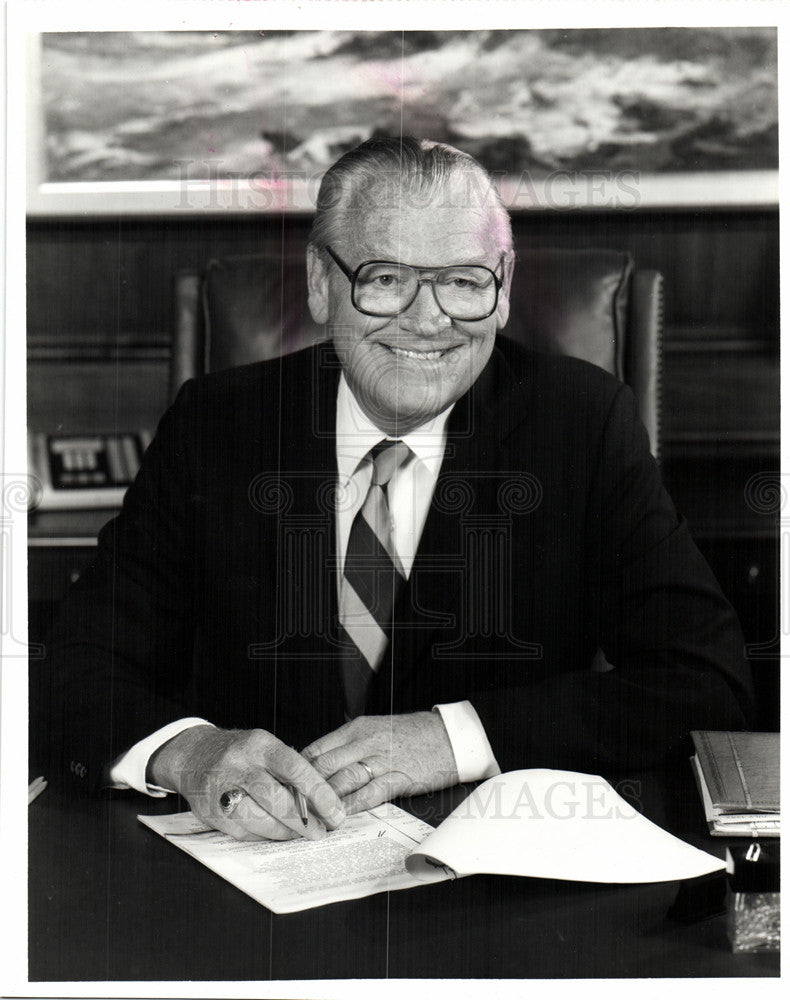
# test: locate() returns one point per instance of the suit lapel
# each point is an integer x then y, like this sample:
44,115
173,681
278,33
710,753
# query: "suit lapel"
305,644
314,489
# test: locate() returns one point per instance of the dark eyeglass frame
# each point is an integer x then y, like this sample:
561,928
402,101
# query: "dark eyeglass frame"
353,275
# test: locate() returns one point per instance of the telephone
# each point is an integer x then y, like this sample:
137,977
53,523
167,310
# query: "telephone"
84,470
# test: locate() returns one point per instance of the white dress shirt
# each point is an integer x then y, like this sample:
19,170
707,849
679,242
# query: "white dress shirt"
409,494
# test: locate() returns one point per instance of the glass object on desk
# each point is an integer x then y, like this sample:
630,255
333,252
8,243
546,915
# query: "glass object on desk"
753,911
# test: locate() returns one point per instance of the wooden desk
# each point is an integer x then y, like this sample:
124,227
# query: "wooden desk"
110,900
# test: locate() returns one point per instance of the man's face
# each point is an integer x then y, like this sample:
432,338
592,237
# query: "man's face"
405,369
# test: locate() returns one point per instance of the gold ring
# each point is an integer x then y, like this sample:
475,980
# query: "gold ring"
371,775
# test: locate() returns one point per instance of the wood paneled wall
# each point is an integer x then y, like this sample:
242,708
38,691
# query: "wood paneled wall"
108,279
99,292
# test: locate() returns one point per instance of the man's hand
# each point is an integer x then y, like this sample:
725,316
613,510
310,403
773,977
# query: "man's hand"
202,763
406,755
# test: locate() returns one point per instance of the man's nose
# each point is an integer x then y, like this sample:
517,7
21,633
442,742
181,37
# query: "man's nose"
425,316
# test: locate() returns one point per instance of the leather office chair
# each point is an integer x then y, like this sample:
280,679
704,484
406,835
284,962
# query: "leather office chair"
590,304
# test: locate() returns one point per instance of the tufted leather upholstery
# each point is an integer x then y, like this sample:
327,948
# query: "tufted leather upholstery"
590,304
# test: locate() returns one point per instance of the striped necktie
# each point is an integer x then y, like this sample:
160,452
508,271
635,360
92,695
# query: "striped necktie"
372,578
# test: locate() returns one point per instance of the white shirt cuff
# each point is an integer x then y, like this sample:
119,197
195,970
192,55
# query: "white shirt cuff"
129,770
474,758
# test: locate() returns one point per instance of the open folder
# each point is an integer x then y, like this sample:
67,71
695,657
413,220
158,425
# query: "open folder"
541,823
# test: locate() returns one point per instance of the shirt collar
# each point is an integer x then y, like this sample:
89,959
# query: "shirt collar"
356,434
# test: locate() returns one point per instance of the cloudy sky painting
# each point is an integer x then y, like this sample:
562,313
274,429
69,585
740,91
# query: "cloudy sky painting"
132,106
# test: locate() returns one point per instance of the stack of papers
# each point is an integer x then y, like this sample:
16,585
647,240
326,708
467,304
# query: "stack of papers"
738,779
540,823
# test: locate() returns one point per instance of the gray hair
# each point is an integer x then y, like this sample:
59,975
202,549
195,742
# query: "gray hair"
381,170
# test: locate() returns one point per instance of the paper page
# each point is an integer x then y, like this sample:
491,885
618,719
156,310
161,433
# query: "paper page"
556,824
366,855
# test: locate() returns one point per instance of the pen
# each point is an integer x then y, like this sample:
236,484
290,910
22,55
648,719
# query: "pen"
301,803
35,788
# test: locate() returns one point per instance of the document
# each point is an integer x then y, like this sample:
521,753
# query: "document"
365,856
540,823
556,824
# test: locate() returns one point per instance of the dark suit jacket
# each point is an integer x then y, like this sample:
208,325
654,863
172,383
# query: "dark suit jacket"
549,536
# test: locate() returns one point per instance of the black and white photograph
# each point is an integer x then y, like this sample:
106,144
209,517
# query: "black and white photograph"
393,516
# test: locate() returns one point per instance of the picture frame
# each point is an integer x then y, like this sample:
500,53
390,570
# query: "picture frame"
269,157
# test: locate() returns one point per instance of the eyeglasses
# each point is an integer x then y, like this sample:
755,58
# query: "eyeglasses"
385,288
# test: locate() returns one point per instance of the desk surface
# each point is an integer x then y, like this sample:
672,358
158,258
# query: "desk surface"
110,900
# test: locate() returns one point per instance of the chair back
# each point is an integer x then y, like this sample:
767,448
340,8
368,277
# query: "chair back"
589,304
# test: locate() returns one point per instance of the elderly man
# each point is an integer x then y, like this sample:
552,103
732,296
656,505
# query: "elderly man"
453,526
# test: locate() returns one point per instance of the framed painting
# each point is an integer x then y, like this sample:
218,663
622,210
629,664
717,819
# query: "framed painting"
173,122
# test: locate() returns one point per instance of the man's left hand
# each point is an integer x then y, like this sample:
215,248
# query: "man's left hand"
375,758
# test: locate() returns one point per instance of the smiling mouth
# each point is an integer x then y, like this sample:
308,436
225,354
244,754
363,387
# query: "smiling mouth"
403,352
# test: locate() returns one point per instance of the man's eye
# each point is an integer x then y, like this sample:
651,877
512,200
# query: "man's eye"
381,277
463,280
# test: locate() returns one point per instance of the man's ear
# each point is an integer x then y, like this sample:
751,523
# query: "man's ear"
317,287
503,303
